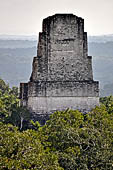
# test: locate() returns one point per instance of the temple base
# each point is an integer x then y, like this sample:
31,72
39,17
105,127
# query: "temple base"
48,105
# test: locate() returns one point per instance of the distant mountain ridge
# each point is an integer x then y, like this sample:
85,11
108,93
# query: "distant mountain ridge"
18,37
101,38
12,44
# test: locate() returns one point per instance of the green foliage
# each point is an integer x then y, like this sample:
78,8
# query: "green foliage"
81,141
20,117
23,150
3,86
36,125
10,110
8,100
70,140
108,102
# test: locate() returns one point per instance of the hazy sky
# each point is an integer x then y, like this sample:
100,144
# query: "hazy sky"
25,16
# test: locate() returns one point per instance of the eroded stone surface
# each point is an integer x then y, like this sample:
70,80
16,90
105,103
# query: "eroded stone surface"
62,70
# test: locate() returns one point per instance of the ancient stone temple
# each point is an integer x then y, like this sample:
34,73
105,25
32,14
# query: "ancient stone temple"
62,70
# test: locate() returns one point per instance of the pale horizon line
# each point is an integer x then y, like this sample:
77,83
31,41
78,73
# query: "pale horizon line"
27,35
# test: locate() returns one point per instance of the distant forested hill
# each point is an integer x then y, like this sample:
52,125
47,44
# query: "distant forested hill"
16,55
16,64
102,52
13,44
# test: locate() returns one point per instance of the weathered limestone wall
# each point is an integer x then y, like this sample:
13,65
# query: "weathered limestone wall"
24,93
63,89
67,58
48,105
62,50
62,70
